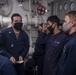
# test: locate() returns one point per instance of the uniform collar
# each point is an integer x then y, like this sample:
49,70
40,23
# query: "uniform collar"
58,33
72,35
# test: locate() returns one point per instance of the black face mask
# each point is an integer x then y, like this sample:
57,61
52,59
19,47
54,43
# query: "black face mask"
50,29
18,26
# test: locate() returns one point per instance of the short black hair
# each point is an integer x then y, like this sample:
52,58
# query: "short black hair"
15,14
54,18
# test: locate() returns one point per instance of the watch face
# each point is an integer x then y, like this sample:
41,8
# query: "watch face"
72,5
65,6
60,7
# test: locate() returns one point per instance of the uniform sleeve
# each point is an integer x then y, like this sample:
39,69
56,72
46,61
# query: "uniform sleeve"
8,69
26,47
42,38
70,62
2,46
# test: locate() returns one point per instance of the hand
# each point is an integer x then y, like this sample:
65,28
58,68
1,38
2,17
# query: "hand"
44,27
20,58
13,60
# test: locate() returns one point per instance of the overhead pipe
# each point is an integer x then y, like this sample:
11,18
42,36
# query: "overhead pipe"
4,21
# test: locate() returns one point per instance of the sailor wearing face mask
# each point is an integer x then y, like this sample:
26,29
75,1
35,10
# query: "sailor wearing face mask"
14,43
54,45
67,65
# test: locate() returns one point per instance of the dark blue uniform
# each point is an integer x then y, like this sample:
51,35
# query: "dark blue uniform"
54,47
11,46
39,49
37,59
6,67
67,64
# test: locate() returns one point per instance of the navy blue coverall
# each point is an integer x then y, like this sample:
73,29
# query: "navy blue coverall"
53,50
11,46
37,59
6,67
68,59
